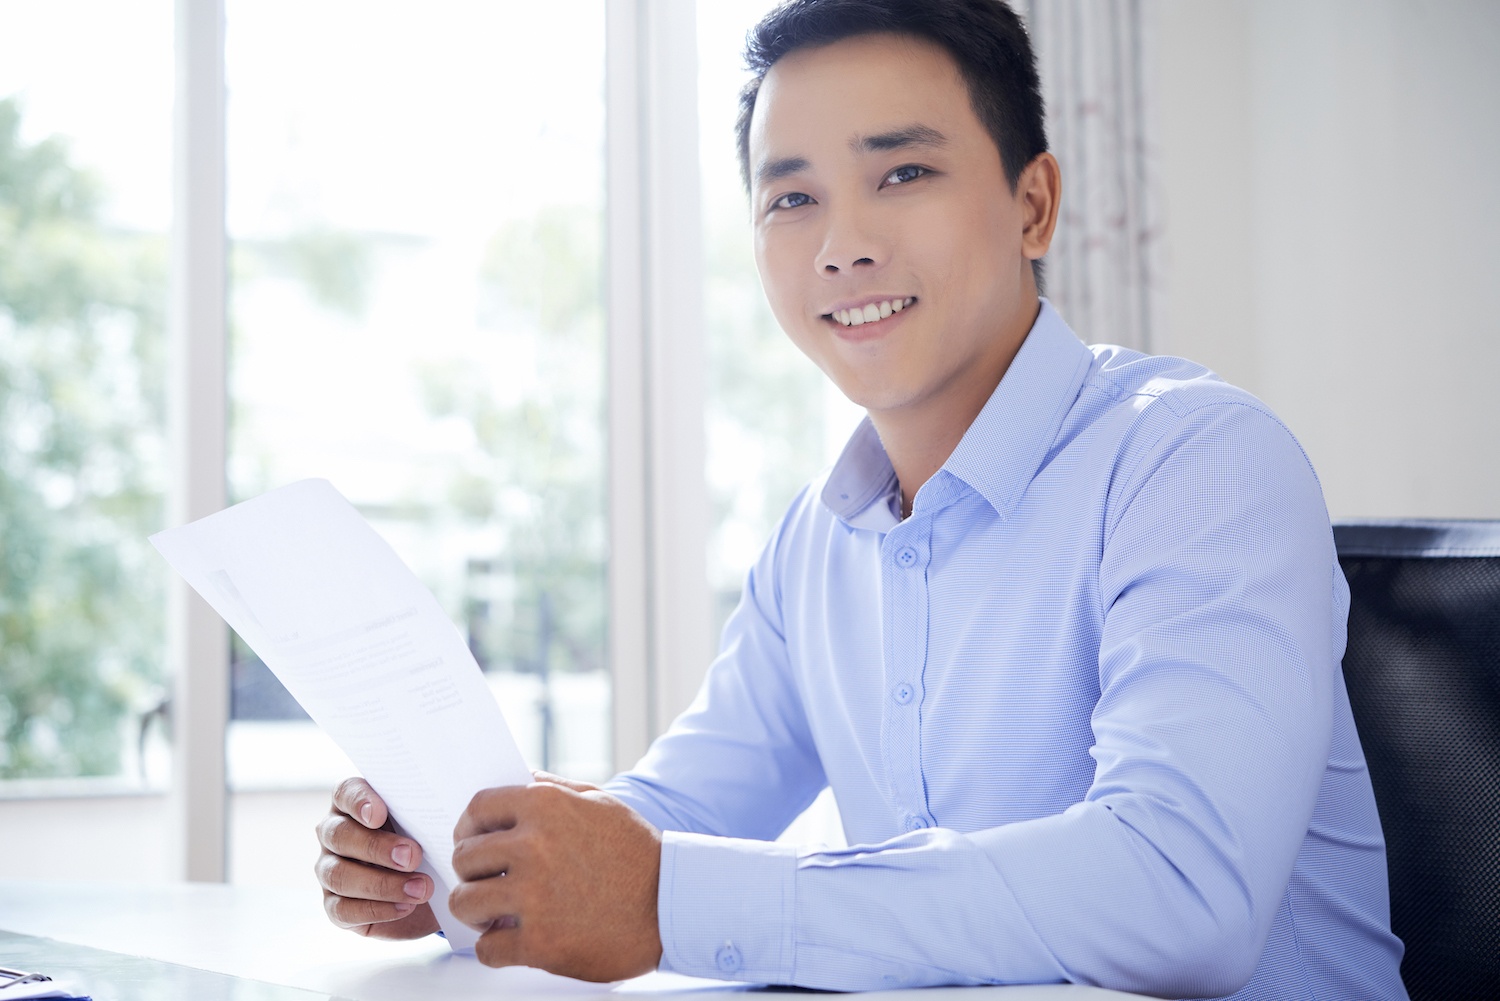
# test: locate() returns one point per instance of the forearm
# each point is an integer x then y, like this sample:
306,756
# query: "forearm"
1085,897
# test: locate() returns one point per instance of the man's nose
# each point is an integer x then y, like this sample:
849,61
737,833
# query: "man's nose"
848,243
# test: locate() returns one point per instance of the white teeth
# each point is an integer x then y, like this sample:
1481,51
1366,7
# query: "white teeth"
870,314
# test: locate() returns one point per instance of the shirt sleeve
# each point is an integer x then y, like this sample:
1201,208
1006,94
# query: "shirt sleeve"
740,762
1220,639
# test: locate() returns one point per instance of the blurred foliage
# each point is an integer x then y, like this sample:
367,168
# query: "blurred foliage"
764,397
82,366
336,268
539,604
548,269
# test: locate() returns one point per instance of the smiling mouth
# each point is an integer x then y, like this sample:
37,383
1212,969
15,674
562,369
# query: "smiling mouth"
872,313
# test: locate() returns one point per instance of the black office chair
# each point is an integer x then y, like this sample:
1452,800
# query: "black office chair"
1423,671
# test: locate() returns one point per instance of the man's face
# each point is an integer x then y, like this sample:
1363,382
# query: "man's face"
876,192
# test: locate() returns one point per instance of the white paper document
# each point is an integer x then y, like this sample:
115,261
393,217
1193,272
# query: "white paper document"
367,651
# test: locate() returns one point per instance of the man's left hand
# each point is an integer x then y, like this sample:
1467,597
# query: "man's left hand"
561,876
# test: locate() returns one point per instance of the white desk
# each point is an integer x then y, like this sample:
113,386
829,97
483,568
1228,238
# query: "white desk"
281,937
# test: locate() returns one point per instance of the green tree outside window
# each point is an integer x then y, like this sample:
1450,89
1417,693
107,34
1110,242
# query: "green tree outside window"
82,465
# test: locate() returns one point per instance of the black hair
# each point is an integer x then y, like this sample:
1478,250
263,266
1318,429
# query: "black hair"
986,38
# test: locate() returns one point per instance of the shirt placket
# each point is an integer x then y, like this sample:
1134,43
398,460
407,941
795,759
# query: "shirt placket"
904,558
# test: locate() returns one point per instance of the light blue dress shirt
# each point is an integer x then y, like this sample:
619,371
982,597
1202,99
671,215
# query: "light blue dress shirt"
1082,712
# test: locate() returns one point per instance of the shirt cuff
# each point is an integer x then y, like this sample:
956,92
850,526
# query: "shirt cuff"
725,908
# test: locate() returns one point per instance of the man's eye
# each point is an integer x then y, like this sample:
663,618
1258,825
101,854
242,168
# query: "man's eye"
903,174
795,200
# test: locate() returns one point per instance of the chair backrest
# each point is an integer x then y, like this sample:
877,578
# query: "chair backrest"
1423,672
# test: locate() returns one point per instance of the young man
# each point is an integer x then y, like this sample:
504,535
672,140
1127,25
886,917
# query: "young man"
1062,627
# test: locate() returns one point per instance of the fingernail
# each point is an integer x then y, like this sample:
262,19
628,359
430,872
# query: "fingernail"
366,812
401,855
414,888
404,909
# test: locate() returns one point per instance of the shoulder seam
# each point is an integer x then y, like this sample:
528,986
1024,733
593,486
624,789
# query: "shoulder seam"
1182,413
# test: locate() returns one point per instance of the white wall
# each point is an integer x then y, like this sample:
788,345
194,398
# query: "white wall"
125,838
103,838
1333,232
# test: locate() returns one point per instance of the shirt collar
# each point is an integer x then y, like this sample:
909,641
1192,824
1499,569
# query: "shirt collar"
1002,450
861,488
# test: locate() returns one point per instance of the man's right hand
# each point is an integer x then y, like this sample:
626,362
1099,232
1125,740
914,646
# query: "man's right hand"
369,885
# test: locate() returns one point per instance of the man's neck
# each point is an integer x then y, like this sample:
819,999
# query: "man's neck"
920,438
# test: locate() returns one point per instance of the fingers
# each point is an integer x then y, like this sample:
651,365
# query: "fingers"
558,780
499,809
350,839
489,810
355,798
559,879
418,923
351,912
487,904
366,872
502,945
487,847
377,919
484,856
355,880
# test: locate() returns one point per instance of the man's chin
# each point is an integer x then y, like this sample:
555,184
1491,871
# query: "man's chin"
877,398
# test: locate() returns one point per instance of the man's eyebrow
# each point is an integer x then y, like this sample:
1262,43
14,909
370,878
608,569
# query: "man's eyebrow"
902,138
911,135
775,170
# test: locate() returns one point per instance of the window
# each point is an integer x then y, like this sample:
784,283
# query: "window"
416,314
416,273
85,203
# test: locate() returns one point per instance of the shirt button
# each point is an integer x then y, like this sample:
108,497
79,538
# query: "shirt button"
727,959
903,693
915,823
906,556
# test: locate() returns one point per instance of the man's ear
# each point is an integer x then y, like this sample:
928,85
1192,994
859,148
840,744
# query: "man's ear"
1039,193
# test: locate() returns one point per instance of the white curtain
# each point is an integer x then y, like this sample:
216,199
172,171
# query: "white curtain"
1103,272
